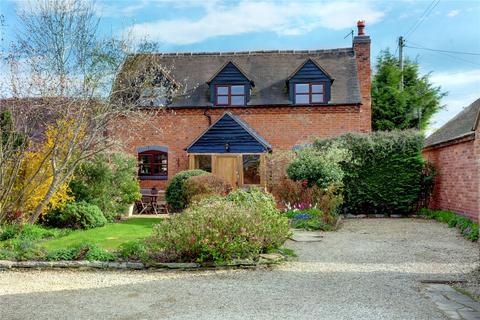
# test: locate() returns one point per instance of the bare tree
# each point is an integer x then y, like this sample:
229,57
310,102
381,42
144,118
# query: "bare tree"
62,65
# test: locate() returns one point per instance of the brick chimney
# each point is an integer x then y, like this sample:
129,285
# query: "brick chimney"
361,47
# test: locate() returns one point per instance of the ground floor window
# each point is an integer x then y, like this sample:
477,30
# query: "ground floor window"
203,162
153,163
251,168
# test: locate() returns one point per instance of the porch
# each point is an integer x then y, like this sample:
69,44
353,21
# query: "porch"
231,150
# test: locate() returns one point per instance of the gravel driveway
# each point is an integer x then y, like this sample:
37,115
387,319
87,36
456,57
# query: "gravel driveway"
370,269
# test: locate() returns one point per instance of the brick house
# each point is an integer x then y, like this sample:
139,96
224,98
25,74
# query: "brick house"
454,150
242,106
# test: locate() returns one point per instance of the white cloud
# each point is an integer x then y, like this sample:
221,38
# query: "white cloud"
463,88
453,13
452,79
286,18
119,9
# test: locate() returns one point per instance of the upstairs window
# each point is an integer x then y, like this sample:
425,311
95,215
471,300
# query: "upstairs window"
153,163
310,93
230,95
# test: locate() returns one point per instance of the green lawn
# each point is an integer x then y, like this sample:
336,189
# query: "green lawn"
108,237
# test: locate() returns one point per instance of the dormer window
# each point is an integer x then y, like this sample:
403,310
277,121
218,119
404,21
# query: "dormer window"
310,93
309,84
230,86
230,95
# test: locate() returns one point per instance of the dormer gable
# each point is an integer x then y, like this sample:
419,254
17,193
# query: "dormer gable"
309,84
230,86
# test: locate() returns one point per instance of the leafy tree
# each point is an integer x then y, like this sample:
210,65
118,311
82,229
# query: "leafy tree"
394,108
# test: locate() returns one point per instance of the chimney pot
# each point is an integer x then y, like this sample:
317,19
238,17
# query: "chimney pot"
361,27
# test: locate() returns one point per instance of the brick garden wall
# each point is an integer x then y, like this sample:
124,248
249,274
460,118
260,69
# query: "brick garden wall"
457,186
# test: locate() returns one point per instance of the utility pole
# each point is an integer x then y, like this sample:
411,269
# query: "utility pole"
401,44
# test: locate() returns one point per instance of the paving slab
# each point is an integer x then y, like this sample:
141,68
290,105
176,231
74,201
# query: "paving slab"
453,303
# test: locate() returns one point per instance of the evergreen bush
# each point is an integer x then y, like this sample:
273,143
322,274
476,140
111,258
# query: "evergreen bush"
384,173
176,193
76,215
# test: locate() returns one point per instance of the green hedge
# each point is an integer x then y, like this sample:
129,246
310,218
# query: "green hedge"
467,227
176,194
384,173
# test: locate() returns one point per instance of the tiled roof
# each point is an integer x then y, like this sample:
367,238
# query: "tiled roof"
463,124
268,69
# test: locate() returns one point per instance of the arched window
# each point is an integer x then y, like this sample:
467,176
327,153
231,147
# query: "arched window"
153,163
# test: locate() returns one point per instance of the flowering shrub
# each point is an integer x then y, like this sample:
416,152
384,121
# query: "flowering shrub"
297,195
311,219
198,187
219,229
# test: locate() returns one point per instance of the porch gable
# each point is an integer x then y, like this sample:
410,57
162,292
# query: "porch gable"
229,134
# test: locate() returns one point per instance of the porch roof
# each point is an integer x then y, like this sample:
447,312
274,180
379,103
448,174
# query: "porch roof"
229,134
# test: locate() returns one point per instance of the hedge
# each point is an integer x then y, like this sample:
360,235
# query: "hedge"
384,173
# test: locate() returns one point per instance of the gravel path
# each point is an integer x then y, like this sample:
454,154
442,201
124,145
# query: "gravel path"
370,269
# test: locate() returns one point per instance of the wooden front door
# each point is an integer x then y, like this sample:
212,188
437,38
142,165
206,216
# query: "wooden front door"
226,167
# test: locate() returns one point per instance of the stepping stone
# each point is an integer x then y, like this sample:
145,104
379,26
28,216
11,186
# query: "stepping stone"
306,236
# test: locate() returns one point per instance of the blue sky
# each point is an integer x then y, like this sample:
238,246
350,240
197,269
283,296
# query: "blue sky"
194,25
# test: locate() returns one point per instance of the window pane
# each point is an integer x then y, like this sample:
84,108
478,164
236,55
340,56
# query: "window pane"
222,100
302,99
222,90
251,169
203,162
238,100
160,158
317,88
144,165
317,98
237,90
302,88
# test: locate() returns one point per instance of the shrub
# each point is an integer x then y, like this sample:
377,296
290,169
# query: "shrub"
384,172
133,250
198,187
21,249
468,228
309,219
87,251
30,232
218,229
298,195
76,215
108,181
319,167
175,194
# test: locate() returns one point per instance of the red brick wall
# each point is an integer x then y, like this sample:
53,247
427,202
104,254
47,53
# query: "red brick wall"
457,185
282,127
